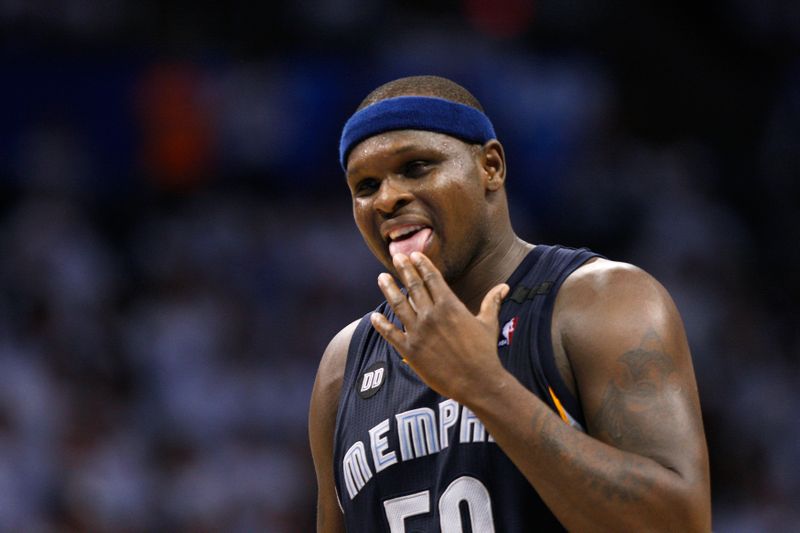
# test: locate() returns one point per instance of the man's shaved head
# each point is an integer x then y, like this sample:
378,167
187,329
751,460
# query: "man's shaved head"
422,86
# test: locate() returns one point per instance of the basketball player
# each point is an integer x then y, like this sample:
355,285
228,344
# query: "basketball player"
506,387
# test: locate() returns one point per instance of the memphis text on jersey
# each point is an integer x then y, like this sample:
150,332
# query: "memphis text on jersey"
420,432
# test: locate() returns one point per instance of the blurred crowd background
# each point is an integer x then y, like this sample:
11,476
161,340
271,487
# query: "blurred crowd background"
177,248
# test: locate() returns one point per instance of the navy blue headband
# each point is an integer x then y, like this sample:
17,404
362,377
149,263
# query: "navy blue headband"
415,113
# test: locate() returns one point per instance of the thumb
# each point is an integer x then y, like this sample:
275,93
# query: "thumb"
490,306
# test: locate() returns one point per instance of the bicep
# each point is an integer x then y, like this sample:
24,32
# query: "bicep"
633,369
321,427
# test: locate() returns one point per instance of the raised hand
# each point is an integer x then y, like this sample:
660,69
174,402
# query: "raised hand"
452,350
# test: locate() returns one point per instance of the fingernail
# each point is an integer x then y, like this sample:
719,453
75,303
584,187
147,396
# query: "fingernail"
416,257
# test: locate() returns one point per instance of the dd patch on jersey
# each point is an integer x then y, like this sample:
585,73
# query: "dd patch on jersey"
371,380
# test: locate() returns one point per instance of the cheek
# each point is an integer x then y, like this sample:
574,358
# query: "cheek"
359,212
364,222
463,206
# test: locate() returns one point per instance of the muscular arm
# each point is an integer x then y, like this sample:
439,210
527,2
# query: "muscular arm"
321,425
643,464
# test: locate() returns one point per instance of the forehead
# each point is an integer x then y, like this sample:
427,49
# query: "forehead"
384,146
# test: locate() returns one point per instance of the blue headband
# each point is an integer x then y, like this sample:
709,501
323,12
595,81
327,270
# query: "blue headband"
415,113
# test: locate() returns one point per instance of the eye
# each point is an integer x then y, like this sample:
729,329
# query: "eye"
366,187
416,168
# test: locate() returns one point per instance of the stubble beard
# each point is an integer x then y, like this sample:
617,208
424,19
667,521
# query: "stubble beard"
455,269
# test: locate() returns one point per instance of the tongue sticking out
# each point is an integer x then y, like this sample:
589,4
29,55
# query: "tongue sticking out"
413,243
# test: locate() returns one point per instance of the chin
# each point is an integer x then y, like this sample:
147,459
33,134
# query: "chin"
385,258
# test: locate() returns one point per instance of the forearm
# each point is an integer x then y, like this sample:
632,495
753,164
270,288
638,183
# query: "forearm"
588,484
329,519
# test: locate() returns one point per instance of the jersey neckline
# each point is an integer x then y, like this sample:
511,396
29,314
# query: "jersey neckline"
525,265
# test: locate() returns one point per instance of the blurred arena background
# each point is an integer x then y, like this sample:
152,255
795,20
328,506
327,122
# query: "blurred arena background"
176,246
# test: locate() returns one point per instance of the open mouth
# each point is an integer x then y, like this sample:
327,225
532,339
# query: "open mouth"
408,239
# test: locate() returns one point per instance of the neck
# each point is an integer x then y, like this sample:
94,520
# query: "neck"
492,267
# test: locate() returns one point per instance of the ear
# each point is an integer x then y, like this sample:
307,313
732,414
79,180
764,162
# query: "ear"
493,165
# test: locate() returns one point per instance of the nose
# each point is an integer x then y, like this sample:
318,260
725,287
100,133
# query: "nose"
391,196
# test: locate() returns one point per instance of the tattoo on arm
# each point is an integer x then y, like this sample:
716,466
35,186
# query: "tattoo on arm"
631,408
633,397
631,401
614,483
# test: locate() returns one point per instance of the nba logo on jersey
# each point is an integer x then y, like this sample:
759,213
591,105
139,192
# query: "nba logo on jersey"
508,332
371,380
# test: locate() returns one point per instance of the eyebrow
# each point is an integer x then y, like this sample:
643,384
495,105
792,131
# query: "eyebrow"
409,147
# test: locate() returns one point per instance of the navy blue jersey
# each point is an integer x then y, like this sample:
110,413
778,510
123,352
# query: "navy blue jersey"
407,459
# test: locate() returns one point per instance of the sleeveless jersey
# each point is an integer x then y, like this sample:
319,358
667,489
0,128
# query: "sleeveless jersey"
407,459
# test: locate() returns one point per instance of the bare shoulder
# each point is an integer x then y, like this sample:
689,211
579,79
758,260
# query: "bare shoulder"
603,298
628,350
322,424
328,383
325,394
607,308
602,278
603,303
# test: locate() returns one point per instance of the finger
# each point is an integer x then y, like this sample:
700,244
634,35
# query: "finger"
412,281
433,279
396,299
490,306
388,331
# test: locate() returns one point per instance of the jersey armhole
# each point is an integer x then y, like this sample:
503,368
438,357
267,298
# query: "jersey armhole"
355,347
567,404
